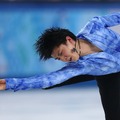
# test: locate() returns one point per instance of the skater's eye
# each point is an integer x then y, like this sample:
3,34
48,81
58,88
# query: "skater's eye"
60,54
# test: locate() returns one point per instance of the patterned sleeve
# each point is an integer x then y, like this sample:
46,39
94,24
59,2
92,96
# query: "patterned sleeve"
46,80
104,63
107,20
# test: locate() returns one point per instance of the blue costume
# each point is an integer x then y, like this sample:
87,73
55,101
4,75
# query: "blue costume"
98,33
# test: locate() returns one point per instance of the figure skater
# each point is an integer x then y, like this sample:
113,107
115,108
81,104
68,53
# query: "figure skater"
94,53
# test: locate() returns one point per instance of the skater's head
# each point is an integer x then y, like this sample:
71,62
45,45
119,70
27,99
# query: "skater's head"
57,43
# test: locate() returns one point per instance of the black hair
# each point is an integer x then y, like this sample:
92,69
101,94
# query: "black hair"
50,39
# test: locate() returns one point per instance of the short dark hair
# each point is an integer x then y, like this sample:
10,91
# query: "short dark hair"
50,39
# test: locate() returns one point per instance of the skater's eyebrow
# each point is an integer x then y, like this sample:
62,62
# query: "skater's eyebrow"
58,54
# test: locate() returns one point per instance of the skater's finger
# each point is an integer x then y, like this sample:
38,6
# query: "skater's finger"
2,81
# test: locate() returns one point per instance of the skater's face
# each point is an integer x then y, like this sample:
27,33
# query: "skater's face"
64,51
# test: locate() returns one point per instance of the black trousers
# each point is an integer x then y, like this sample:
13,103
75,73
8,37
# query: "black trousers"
109,88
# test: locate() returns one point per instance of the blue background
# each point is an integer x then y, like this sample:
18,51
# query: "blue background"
21,25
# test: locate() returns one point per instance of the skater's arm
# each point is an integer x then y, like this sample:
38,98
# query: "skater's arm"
98,22
107,20
47,80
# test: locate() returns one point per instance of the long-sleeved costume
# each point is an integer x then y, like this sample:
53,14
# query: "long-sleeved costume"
98,33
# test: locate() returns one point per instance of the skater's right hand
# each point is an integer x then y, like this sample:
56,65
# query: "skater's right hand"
2,84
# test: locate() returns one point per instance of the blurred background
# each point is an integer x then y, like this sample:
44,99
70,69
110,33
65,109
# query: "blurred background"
21,23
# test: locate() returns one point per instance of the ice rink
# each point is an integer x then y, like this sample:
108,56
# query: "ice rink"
53,104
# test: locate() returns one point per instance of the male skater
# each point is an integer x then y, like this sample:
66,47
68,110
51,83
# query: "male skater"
93,54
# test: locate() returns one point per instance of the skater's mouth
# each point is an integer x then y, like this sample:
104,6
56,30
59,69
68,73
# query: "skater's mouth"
70,59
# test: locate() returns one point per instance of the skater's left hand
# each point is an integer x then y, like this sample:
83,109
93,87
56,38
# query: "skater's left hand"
2,84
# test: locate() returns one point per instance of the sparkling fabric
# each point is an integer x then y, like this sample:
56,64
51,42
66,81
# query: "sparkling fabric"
98,33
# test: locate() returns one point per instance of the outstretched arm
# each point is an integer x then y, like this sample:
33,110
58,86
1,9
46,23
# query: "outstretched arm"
107,20
98,22
47,80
